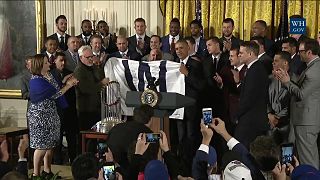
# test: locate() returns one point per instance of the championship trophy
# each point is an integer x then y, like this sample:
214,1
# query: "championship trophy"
110,107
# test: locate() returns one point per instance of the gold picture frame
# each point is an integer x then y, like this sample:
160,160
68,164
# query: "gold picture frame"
40,34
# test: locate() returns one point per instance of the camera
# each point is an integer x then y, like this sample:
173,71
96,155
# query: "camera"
287,153
152,137
109,171
207,115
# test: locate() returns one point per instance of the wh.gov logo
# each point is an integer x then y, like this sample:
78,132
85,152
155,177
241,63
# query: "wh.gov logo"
297,26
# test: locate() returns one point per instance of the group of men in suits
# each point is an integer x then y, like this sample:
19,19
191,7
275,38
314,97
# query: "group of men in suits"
226,74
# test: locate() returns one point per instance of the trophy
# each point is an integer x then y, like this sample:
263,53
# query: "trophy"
110,107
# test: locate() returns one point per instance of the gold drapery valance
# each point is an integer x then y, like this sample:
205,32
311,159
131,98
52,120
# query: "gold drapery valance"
243,12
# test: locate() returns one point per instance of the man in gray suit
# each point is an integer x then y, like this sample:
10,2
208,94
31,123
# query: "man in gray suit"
305,103
72,57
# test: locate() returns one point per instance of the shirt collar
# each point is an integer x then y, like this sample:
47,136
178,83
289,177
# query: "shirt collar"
259,56
49,55
312,60
218,56
176,38
59,36
197,40
185,60
88,37
96,54
239,68
250,64
142,36
293,55
126,52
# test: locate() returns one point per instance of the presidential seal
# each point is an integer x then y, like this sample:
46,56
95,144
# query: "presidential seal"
149,97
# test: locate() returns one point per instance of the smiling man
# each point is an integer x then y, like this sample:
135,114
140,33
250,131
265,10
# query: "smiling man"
61,36
140,42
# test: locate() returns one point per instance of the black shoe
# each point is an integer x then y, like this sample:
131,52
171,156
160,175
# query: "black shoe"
33,177
50,175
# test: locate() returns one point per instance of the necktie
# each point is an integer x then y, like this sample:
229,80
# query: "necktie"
215,64
172,46
243,72
62,40
74,57
51,59
85,40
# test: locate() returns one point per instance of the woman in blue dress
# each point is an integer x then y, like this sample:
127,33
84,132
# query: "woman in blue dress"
43,119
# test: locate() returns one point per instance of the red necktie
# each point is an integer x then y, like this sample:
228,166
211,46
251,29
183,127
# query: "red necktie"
172,46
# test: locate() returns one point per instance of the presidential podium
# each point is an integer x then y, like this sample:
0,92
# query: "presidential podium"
167,104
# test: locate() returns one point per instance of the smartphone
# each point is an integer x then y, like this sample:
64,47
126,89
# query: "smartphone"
207,115
152,137
102,147
108,172
287,153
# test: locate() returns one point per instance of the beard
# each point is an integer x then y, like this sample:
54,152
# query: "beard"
61,30
86,33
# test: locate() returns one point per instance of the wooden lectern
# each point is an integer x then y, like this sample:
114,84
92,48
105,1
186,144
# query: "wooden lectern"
169,102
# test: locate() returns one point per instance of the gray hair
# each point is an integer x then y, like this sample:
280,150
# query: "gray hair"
82,49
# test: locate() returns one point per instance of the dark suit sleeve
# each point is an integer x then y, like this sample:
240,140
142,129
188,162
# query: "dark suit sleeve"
172,164
195,77
134,167
248,160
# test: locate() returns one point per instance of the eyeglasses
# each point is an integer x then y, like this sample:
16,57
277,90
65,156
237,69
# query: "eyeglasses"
89,57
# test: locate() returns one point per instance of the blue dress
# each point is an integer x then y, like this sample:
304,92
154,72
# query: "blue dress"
43,119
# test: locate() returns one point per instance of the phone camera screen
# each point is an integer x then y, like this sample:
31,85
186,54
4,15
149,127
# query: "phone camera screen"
152,137
287,154
207,116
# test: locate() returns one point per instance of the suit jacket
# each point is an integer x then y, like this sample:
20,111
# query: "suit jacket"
253,98
202,48
279,101
231,92
211,90
82,41
269,47
62,46
194,83
166,46
112,47
70,63
296,66
267,62
133,55
133,45
235,42
305,102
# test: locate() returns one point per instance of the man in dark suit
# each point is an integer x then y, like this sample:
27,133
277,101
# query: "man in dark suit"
169,41
229,80
124,52
98,50
69,120
140,42
188,128
71,54
296,66
227,38
213,95
263,56
86,27
109,40
259,28
252,110
61,36
195,28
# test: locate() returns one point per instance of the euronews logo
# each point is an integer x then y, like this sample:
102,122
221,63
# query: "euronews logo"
297,26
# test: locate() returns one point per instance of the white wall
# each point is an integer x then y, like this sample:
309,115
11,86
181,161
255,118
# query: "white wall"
118,14
13,113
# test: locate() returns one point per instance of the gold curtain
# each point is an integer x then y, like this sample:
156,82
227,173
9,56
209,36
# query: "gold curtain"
243,12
